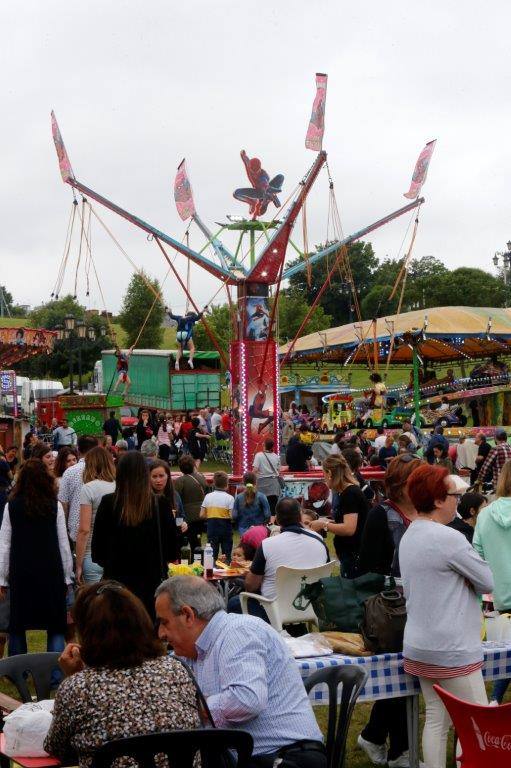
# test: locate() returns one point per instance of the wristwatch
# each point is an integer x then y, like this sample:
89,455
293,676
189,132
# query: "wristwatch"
325,527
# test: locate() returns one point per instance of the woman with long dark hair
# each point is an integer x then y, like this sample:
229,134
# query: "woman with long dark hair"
35,559
66,457
134,536
162,485
44,452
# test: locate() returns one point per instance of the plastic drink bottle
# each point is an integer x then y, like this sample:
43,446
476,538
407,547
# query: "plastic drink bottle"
208,560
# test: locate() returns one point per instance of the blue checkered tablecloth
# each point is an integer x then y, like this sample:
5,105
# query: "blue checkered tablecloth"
387,678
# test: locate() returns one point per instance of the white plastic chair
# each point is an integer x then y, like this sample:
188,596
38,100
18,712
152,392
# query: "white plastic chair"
289,582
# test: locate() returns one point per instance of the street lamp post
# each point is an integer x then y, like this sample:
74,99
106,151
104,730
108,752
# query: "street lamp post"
505,256
77,334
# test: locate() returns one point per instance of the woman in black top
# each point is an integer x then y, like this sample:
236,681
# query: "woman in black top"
349,510
466,517
144,428
134,535
385,525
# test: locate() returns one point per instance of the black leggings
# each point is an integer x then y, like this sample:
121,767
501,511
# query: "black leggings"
388,719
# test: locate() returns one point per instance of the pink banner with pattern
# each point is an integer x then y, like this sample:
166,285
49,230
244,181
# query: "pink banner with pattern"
183,193
314,138
420,171
65,166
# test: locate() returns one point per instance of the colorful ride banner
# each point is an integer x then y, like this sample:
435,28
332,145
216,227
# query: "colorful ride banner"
183,193
314,138
254,398
420,171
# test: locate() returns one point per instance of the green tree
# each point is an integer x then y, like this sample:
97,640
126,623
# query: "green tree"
6,300
136,304
219,323
376,302
56,365
292,311
336,299
469,287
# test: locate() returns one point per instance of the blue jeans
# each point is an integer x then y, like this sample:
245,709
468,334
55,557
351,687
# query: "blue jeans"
254,608
499,690
220,535
91,571
18,643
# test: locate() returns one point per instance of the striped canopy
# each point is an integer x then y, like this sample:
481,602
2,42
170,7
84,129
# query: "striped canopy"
444,334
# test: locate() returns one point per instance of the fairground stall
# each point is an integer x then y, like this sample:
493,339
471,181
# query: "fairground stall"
16,345
454,363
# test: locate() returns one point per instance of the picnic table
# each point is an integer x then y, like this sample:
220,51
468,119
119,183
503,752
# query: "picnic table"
387,680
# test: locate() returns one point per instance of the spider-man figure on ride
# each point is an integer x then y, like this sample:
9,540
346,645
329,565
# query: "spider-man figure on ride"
263,191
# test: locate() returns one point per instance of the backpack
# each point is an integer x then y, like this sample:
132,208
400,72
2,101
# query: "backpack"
383,622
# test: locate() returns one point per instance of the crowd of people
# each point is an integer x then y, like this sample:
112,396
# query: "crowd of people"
87,536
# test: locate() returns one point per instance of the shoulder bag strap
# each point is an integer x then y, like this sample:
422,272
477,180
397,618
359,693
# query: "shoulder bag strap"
197,483
303,532
270,464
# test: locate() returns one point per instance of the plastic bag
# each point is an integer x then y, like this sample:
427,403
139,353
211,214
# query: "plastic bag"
26,728
305,646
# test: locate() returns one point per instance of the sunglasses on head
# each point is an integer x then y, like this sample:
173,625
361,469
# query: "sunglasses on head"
111,586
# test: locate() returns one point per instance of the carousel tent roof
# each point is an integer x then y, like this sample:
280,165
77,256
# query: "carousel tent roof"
448,333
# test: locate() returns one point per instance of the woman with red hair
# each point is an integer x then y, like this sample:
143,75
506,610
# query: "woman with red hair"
442,576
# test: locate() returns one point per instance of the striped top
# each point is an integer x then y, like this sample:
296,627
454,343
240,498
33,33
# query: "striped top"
218,505
251,681
433,672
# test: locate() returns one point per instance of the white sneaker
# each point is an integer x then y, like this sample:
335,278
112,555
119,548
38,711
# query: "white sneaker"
493,703
190,363
403,761
377,753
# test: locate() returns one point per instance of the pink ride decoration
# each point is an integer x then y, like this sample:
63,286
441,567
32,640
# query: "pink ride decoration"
65,166
183,193
420,171
314,138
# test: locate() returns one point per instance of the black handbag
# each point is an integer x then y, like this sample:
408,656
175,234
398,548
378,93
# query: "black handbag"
383,624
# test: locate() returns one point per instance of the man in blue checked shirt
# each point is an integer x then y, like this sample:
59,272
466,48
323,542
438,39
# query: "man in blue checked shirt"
245,671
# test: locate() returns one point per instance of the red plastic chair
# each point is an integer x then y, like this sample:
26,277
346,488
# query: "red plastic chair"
484,732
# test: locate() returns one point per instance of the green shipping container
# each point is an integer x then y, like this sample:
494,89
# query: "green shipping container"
156,384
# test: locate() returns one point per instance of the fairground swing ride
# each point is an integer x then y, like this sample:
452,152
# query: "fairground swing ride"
253,364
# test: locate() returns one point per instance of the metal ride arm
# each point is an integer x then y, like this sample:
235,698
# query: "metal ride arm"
202,261
267,267
221,251
351,238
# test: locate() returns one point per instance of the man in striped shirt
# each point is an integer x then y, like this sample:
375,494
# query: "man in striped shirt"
245,671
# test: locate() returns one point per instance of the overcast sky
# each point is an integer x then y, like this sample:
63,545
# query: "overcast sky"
137,86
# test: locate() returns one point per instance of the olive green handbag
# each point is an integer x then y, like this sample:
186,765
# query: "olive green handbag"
339,603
